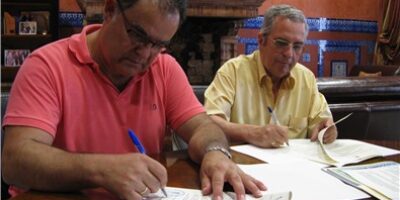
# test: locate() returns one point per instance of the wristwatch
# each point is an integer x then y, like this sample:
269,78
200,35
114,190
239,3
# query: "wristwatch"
221,149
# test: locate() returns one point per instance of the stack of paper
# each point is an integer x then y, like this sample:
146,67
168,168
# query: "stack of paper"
378,179
298,167
306,181
343,151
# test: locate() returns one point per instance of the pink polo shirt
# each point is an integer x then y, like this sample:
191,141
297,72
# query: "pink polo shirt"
61,90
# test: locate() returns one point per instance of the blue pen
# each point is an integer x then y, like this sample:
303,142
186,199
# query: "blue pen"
275,119
136,141
141,149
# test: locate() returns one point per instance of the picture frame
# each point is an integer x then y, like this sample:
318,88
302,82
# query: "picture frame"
27,28
42,19
339,68
15,57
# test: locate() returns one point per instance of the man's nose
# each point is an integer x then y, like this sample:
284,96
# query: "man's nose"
288,51
143,49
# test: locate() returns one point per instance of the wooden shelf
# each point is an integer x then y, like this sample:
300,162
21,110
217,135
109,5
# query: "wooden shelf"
195,8
224,8
8,73
24,41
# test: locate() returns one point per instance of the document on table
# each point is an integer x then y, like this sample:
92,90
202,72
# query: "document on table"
378,179
344,151
175,193
305,180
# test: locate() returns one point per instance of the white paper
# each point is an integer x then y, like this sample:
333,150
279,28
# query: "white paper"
382,176
306,181
343,150
175,193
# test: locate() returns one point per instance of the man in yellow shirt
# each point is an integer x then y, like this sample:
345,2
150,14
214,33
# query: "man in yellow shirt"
245,86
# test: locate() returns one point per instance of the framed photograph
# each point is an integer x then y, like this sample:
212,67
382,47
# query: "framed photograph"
15,57
27,28
40,17
338,68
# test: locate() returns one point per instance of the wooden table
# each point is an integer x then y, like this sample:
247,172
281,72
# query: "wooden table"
182,172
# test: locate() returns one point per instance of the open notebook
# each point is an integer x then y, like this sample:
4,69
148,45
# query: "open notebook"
343,152
381,179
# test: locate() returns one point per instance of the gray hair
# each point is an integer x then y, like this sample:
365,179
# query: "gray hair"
283,10
167,6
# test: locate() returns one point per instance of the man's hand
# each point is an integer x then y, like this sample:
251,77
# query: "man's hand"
330,134
131,176
216,168
53,169
269,136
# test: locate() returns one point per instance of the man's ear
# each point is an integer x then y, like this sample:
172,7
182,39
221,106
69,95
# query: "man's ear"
261,38
110,7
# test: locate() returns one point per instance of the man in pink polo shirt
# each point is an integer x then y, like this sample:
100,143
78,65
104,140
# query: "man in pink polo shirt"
73,102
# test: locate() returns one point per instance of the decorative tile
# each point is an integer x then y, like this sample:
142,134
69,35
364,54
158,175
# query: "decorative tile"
325,24
306,57
71,19
253,23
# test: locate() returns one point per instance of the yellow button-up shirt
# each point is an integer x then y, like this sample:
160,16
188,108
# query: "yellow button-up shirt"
241,92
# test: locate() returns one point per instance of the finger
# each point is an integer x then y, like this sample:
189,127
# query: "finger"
129,193
314,133
217,183
281,137
205,184
236,181
260,185
275,144
143,192
132,195
151,182
159,175
254,186
286,134
330,137
316,129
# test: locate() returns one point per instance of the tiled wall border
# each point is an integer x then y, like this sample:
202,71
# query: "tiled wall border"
325,24
71,19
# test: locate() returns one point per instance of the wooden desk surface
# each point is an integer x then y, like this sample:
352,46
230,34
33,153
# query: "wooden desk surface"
182,172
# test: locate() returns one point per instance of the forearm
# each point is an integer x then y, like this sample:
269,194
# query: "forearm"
235,132
33,165
201,133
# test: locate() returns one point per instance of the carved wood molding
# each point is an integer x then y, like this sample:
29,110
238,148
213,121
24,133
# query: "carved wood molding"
206,8
224,8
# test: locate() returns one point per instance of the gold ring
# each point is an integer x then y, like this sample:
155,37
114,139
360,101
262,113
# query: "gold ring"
273,143
144,191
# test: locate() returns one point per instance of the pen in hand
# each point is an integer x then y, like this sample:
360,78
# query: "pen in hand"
141,149
275,119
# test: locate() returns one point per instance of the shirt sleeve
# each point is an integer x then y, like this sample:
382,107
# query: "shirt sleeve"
33,101
319,109
181,102
220,95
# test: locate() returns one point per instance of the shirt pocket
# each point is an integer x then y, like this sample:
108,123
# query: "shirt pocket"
298,125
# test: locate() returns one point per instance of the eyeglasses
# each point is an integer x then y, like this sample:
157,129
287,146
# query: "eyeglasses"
282,44
137,35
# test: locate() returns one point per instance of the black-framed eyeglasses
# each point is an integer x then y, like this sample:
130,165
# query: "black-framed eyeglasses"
137,35
282,44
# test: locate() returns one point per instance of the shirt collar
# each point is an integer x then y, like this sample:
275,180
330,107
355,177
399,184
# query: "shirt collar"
263,77
78,45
